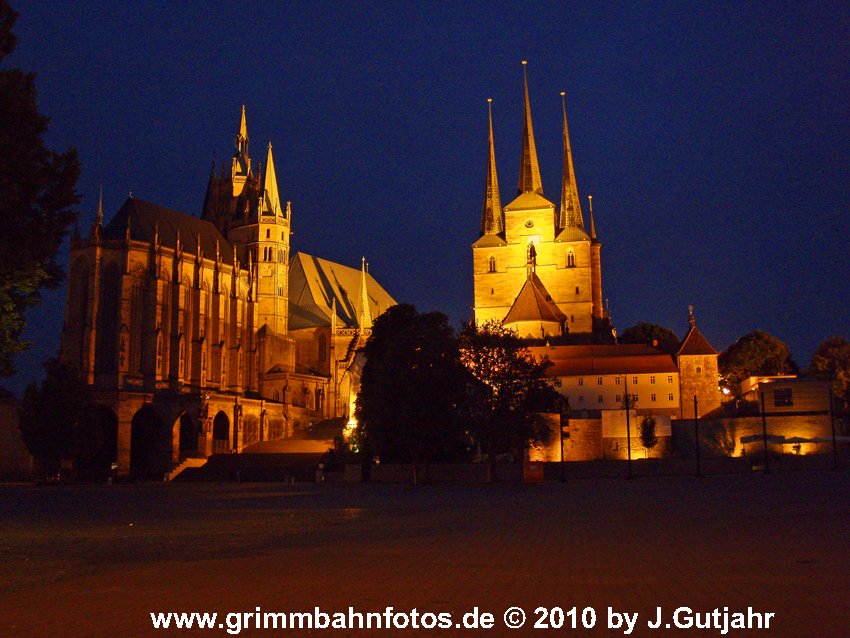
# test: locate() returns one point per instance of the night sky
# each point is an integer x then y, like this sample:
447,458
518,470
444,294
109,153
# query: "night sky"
714,138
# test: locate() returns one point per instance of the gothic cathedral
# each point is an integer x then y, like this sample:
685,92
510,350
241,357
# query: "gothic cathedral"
537,269
201,335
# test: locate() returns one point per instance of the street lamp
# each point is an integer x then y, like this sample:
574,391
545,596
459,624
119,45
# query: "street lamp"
628,402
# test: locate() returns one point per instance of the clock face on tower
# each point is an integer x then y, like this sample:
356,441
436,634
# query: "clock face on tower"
529,223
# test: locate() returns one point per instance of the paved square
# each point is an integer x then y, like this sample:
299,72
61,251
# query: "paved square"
84,561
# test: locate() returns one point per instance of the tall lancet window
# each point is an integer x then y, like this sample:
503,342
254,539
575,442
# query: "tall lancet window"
492,264
571,259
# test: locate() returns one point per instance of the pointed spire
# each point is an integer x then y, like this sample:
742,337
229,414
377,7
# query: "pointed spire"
529,169
491,217
289,210
692,321
242,136
99,217
271,198
592,222
365,317
570,203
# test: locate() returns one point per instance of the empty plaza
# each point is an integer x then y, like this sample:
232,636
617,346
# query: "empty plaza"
98,560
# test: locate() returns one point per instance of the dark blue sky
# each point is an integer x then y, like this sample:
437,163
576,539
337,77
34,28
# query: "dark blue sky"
714,138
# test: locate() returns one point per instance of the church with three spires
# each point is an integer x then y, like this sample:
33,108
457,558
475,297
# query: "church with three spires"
537,268
201,334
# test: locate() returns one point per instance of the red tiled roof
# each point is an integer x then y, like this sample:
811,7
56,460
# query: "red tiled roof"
534,303
588,360
695,343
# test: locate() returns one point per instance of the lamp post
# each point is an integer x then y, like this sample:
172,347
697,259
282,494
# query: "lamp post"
627,403
764,432
696,433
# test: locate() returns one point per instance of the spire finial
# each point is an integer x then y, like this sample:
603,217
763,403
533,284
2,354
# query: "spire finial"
692,321
491,216
529,169
570,202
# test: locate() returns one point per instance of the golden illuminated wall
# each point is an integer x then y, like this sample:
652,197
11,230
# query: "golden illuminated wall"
563,267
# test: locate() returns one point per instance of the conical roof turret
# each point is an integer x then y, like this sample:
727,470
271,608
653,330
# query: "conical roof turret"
271,198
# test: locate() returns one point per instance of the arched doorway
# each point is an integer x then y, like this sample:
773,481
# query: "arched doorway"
184,438
96,442
150,445
221,434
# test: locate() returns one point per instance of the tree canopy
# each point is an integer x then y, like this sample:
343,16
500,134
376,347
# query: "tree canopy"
37,200
756,353
645,332
831,362
510,389
412,387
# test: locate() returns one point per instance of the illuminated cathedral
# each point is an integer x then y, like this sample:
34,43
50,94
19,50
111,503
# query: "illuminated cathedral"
203,335
537,268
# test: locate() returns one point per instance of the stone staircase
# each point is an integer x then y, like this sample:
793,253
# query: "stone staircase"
187,463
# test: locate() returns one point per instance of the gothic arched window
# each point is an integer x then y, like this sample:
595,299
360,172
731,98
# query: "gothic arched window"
571,259
492,264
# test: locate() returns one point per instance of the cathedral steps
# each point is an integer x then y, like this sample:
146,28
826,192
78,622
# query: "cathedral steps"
187,463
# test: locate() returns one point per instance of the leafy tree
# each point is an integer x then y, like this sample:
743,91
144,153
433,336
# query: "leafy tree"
644,332
756,353
647,433
831,362
37,197
411,388
50,413
510,390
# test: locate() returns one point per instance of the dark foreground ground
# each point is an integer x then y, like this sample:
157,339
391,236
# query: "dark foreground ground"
96,560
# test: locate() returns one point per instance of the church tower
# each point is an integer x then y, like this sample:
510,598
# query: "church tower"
535,268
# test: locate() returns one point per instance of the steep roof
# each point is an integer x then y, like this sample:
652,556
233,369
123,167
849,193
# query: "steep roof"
314,285
491,215
146,219
534,303
695,344
620,359
570,216
529,168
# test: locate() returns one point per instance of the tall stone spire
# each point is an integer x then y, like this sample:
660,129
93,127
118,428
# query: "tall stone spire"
570,203
364,319
271,197
491,217
529,169
242,136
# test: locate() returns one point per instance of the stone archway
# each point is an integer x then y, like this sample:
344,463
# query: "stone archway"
184,438
96,441
150,445
221,433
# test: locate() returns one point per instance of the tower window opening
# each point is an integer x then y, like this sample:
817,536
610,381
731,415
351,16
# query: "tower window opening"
492,264
576,289
268,233
670,396
571,259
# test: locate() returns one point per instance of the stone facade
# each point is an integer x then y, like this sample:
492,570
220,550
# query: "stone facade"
184,328
531,235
